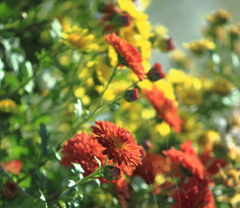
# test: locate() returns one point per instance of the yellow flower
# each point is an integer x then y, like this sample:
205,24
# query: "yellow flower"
219,18
176,76
191,91
80,39
180,59
198,47
7,106
221,86
163,85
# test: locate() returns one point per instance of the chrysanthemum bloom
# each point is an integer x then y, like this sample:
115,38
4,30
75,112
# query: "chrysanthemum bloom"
195,193
128,55
164,107
80,39
81,149
119,144
9,190
185,161
155,73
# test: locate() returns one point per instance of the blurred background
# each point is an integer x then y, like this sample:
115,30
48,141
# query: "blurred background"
185,18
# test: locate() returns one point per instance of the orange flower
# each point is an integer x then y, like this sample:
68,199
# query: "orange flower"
127,54
164,107
195,193
119,144
81,149
186,159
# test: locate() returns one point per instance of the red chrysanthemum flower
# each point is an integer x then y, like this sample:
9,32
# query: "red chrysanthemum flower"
81,149
152,164
164,107
127,54
119,144
187,159
193,194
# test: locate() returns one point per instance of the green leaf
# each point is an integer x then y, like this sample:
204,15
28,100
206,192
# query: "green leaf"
77,168
14,56
45,138
29,73
78,108
98,161
56,31
2,73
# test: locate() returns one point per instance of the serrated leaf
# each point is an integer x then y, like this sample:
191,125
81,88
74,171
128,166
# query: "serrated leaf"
45,137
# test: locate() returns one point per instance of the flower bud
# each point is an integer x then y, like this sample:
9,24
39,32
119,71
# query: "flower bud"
122,19
166,44
111,173
131,95
155,73
9,190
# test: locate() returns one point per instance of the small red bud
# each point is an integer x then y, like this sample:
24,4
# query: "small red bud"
131,95
155,73
111,173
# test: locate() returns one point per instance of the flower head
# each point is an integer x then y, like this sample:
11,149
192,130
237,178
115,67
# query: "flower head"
127,54
119,144
195,193
186,159
164,107
80,39
81,149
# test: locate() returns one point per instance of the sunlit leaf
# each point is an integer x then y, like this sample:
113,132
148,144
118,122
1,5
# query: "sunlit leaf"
56,31
78,108
29,73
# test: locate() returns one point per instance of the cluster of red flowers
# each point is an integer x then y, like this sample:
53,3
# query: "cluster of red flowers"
121,148
128,55
164,107
111,140
194,193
